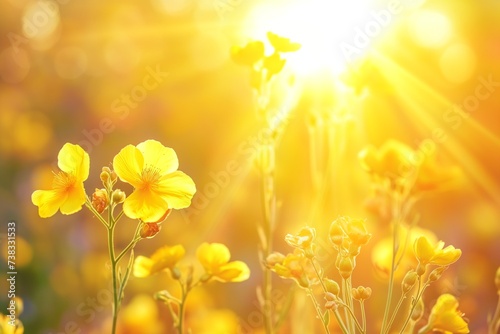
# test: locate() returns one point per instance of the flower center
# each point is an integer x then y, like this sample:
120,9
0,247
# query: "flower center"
150,176
63,181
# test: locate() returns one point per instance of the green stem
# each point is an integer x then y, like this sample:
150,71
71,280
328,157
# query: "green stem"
414,302
88,204
111,248
182,309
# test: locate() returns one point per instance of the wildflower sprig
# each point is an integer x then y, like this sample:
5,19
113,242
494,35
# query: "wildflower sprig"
264,68
214,258
150,167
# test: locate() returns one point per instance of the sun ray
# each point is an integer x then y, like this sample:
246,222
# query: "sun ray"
404,83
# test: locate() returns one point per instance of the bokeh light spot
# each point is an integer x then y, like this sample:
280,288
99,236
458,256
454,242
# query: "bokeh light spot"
430,29
458,63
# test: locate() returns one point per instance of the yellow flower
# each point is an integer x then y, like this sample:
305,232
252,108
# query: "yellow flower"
7,328
445,317
294,266
164,258
406,236
393,160
67,193
428,253
303,240
282,44
249,54
151,169
215,259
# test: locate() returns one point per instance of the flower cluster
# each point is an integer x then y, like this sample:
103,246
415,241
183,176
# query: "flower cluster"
214,258
159,187
263,67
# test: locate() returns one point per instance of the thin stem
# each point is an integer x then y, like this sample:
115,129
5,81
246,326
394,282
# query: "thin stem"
363,315
391,321
268,223
88,204
341,323
182,308
494,324
111,249
395,246
318,311
414,302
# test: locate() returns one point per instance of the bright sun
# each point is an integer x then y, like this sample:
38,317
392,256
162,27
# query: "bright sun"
319,25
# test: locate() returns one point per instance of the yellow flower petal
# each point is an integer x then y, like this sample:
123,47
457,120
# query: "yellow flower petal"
424,250
166,257
128,165
142,266
48,201
74,160
145,205
212,256
447,256
445,316
74,200
162,158
177,189
236,271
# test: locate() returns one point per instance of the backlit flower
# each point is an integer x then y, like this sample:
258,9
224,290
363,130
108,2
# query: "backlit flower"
445,317
215,259
427,253
249,54
151,169
393,160
294,266
67,193
164,258
282,44
303,240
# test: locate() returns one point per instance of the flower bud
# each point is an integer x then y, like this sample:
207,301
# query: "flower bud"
176,273
409,281
149,230
331,286
100,200
113,176
118,196
418,311
436,274
346,267
331,301
274,258
361,293
104,177
336,234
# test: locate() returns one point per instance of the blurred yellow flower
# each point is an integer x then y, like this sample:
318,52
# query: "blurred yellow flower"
67,193
215,259
249,54
445,317
164,258
7,328
393,160
407,236
303,240
282,44
293,266
151,169
427,253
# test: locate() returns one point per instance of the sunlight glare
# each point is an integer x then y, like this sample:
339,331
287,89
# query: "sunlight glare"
319,25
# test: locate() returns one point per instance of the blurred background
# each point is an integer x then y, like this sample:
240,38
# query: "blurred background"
105,75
